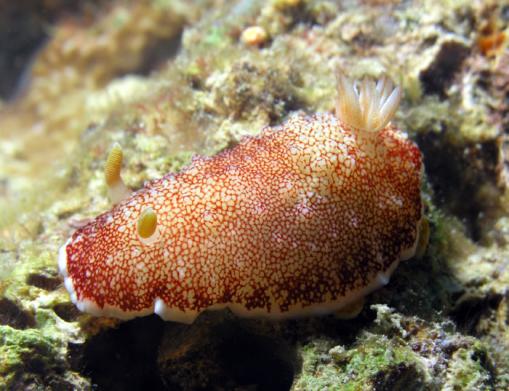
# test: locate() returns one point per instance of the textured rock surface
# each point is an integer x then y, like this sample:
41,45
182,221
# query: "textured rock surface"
441,323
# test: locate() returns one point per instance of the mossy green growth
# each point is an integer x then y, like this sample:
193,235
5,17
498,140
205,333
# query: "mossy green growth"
215,37
463,124
374,361
466,370
154,154
24,349
33,258
316,374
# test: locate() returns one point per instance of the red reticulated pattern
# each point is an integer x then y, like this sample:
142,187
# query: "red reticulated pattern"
301,215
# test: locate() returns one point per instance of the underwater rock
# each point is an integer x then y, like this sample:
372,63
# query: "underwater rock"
398,353
23,30
31,359
12,315
440,324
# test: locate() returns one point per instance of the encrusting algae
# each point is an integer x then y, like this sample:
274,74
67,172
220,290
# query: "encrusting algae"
305,219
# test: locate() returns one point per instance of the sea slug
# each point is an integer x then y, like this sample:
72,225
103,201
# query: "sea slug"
307,218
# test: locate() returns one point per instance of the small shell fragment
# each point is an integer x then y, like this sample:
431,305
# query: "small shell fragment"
254,36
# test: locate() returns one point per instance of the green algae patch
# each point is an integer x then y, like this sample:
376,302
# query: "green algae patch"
398,352
27,355
379,361
462,124
467,370
316,372
32,260
38,356
374,362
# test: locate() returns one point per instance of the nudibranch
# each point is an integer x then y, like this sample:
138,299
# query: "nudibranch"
306,218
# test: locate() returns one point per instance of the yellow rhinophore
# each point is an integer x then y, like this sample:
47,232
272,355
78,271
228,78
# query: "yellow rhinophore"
117,190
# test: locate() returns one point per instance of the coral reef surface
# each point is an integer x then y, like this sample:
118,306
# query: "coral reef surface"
169,79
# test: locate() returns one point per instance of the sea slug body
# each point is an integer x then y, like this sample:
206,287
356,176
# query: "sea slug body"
306,218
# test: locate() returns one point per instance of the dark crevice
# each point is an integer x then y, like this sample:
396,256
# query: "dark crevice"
258,361
24,27
12,315
158,53
457,173
222,350
470,310
43,280
124,359
439,75
399,377
302,15
67,311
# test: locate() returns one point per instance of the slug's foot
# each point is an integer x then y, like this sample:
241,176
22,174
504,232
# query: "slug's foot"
350,311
